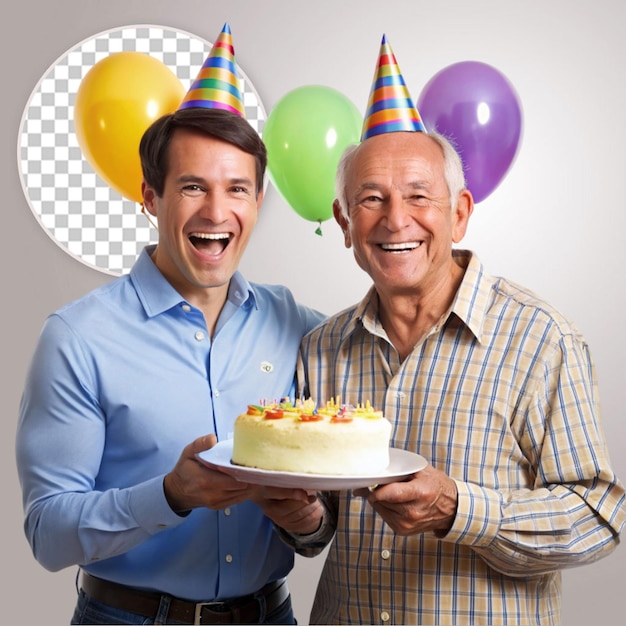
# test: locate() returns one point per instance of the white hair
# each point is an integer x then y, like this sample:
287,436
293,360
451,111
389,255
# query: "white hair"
452,171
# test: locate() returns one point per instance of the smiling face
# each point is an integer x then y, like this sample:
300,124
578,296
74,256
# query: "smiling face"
399,217
206,214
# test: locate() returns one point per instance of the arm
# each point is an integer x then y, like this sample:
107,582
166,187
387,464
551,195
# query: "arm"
575,509
521,533
537,531
79,505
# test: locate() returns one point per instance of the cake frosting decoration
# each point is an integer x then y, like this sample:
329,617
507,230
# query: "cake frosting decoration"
303,437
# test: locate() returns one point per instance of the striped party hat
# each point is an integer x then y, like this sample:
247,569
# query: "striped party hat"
217,86
390,108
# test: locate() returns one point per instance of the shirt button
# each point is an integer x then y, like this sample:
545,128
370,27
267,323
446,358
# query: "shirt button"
229,558
199,335
385,616
227,512
385,554
186,308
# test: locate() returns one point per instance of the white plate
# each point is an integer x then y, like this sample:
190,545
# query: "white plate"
402,464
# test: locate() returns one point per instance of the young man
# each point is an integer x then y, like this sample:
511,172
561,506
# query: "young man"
158,362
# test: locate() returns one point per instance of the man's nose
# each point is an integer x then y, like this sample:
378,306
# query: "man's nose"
396,214
213,208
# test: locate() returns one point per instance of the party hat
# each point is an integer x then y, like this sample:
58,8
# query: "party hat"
390,108
217,86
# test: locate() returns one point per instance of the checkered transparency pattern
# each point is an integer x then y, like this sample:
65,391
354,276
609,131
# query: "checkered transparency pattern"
81,213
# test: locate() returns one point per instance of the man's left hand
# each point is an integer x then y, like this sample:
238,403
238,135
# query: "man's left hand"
294,510
426,502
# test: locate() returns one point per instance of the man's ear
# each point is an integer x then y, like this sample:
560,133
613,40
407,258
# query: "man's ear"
461,215
342,220
259,198
148,194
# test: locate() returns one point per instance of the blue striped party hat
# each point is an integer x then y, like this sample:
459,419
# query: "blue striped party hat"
390,108
217,86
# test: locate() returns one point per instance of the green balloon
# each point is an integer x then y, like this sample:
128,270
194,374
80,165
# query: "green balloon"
305,134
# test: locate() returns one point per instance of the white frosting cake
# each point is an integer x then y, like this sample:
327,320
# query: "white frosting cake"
336,439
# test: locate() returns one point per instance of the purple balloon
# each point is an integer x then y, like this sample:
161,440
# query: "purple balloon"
476,107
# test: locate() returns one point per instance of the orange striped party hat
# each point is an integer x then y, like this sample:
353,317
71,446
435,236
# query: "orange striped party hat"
390,108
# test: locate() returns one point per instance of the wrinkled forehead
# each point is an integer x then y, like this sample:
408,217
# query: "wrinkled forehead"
396,158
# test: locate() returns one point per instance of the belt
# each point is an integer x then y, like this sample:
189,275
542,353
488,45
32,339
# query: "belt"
244,610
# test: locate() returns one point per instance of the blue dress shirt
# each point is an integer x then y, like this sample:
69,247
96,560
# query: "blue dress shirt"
120,382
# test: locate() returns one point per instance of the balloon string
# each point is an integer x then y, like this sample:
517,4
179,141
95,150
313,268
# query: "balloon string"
152,223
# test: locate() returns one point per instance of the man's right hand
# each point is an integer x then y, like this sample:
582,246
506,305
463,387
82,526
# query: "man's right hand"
191,484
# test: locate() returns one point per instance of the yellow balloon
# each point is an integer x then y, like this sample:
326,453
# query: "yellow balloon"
119,97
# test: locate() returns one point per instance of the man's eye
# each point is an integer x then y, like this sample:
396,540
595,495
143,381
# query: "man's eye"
371,202
239,189
192,191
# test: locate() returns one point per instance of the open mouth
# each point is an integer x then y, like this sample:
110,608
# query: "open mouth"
398,248
210,243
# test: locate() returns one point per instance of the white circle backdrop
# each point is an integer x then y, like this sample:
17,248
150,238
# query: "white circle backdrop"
86,217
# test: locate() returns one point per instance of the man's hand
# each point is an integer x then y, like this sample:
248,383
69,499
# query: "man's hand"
294,510
191,484
426,502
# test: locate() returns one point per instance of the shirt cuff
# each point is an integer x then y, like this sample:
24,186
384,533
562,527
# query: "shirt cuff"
311,544
150,508
478,516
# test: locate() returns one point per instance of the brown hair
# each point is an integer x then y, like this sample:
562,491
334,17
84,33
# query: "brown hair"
222,125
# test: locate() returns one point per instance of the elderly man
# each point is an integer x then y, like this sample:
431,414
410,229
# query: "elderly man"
488,382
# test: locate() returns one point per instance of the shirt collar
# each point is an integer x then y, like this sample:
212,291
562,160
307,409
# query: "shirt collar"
470,303
241,292
474,294
157,295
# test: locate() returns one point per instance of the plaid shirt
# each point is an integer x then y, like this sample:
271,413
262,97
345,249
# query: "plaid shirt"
502,396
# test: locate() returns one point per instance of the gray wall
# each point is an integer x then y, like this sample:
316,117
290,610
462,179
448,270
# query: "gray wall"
555,223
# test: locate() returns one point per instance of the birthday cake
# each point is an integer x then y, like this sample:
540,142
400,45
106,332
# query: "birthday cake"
300,437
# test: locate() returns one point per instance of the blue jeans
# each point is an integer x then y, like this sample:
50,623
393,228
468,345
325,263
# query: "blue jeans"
89,611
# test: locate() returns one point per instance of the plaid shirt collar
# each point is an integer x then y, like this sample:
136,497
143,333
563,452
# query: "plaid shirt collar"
470,303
